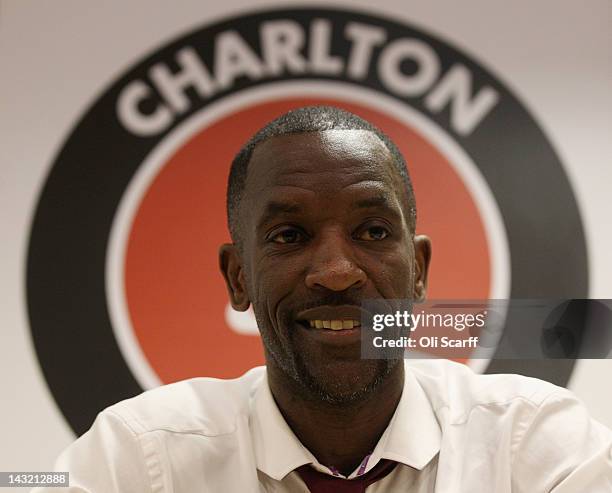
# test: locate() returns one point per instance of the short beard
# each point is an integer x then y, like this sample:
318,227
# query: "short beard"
290,361
312,389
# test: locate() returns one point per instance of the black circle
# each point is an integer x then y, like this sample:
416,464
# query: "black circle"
66,297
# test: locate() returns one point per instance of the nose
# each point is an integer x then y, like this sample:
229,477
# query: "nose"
333,265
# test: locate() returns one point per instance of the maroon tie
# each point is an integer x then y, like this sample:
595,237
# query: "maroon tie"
319,482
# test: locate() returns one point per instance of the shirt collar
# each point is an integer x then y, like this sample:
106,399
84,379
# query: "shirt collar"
277,450
412,437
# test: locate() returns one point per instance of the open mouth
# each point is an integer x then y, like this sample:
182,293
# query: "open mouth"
336,324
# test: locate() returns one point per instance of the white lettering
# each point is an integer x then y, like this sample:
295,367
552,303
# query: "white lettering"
408,85
281,43
193,73
364,38
406,67
234,58
456,87
377,322
133,119
321,61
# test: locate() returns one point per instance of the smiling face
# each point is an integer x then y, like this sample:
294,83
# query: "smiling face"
324,226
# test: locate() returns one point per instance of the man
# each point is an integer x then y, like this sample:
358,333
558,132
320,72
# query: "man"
322,216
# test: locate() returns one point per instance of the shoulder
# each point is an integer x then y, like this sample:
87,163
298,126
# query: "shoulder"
459,390
537,435
133,445
206,406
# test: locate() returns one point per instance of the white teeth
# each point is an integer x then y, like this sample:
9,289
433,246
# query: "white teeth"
336,324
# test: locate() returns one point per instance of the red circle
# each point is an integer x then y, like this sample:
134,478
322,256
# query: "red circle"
175,293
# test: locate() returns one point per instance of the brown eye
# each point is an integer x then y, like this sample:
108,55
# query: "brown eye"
288,236
374,233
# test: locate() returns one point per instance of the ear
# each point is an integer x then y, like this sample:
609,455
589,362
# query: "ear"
422,256
231,267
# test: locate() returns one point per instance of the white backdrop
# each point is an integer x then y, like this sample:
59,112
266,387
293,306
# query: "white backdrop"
56,57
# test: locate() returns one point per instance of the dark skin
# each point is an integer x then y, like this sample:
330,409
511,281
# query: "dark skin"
324,222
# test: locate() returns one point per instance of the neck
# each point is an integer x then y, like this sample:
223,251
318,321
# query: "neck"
337,435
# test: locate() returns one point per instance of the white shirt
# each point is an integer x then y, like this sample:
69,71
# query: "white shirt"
452,432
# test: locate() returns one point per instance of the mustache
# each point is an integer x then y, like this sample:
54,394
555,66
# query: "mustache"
330,299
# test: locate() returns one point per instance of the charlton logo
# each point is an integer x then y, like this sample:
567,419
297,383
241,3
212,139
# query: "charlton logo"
288,48
122,281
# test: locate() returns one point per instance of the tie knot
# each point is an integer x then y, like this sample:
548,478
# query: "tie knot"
318,482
